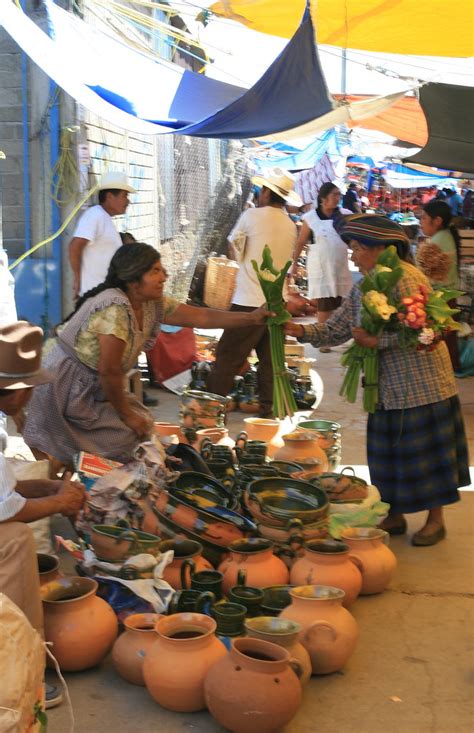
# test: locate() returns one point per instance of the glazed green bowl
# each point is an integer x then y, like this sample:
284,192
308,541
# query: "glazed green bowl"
287,498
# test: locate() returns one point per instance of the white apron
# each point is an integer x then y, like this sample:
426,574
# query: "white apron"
327,263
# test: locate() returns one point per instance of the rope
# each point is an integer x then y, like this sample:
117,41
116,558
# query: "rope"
50,654
65,172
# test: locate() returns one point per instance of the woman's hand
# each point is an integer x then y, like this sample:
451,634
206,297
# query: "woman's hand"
363,338
293,329
140,424
298,305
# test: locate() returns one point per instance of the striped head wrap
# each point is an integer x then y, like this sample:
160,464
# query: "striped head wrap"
371,230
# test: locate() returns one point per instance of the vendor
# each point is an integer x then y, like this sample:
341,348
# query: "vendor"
87,407
416,445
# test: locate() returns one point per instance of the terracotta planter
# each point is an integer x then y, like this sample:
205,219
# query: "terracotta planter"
81,627
48,568
327,562
328,631
187,553
130,649
255,557
176,665
377,563
253,688
260,428
303,447
284,632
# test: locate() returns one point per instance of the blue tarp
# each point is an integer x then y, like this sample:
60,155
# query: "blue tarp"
304,159
400,176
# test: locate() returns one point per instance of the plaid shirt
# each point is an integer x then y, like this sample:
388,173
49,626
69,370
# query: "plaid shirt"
406,378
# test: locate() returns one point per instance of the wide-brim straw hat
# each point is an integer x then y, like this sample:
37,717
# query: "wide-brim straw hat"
115,179
20,356
282,183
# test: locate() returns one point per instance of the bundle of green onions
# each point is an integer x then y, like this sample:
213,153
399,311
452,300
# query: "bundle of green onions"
272,281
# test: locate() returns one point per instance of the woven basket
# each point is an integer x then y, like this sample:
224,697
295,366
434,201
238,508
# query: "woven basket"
219,283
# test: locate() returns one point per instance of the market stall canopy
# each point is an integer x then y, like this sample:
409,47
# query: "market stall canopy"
449,110
136,93
327,143
419,27
400,176
404,120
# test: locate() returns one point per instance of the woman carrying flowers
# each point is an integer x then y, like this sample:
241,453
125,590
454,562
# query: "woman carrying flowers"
416,445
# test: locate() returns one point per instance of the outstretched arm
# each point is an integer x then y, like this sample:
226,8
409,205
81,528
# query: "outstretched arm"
194,317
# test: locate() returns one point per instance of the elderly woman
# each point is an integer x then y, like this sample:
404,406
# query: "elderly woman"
416,446
86,407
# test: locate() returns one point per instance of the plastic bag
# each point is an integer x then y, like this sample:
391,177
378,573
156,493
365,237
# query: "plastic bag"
369,513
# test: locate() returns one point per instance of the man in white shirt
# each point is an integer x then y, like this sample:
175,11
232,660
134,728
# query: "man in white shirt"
25,501
96,239
268,224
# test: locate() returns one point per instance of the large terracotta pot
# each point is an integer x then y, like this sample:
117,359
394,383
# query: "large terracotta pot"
81,627
176,665
284,632
328,631
268,430
377,562
187,553
255,557
303,447
48,567
329,438
327,562
130,649
253,688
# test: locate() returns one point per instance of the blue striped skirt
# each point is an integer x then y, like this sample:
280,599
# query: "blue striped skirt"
418,457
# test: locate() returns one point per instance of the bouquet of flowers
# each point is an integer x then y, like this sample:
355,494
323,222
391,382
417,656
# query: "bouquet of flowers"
271,281
420,320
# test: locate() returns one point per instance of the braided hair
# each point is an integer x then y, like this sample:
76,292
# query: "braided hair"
437,207
129,263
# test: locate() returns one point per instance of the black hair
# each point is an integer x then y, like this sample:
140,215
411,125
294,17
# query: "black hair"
129,263
325,190
438,207
6,392
103,193
127,237
275,198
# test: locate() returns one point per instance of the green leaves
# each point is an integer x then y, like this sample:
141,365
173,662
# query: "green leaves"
272,289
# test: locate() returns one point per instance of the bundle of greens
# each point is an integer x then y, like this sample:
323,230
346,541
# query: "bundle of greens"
272,281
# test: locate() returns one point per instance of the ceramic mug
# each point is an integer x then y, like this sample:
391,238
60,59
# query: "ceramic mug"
229,618
190,601
208,580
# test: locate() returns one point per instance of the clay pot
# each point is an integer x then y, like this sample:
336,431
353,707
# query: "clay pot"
377,562
165,429
176,665
327,562
81,627
217,436
303,447
284,632
253,688
132,646
48,567
187,552
253,555
328,631
261,428
329,438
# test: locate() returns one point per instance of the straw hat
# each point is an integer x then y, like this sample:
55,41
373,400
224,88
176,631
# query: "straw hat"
282,183
20,356
115,179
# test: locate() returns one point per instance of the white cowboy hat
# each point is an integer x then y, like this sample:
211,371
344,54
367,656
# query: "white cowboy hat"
282,183
115,179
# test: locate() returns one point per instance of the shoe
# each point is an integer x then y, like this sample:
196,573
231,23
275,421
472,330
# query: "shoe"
52,696
426,540
149,401
393,529
324,349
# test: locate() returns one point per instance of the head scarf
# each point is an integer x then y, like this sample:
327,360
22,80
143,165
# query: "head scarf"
371,230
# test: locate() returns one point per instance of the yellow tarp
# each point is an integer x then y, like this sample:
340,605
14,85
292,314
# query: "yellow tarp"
420,27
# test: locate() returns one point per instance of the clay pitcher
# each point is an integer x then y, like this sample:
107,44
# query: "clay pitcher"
328,562
253,555
377,563
303,447
253,688
328,631
176,665
266,429
81,626
284,632
48,568
132,646
187,553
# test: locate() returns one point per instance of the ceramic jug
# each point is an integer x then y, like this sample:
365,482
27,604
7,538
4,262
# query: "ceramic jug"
81,626
303,448
328,631
377,563
261,428
253,688
48,567
187,552
328,562
131,647
284,632
255,556
176,665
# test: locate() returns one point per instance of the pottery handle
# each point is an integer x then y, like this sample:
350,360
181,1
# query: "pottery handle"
187,564
205,602
317,626
173,605
127,534
386,537
123,523
348,468
241,440
357,562
206,448
241,577
296,666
